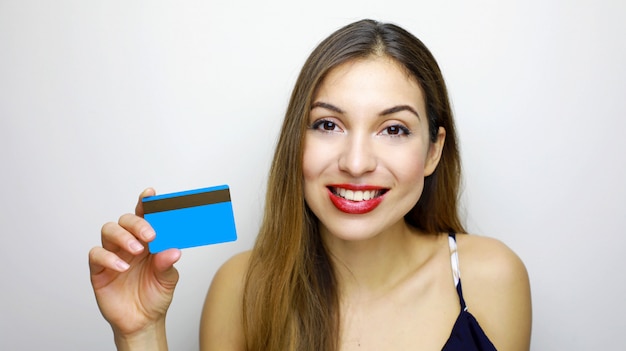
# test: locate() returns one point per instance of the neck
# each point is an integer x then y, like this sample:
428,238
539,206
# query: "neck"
370,268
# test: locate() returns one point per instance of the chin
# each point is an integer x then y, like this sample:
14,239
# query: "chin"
358,229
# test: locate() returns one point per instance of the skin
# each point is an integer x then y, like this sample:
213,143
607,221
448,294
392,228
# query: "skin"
395,283
133,288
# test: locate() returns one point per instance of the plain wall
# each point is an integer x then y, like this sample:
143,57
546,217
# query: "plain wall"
100,99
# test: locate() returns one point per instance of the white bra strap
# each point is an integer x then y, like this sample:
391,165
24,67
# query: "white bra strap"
454,260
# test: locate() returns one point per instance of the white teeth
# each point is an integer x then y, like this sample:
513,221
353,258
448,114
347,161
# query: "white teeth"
367,195
356,195
349,195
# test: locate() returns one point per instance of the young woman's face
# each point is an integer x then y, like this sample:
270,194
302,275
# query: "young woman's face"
367,149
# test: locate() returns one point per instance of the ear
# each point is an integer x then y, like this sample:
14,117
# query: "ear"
434,152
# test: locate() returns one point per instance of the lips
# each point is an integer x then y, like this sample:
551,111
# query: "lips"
356,199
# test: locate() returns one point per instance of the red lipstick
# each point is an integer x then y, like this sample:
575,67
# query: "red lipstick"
354,207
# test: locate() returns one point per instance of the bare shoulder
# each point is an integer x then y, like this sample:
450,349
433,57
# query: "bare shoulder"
489,259
221,326
236,266
496,289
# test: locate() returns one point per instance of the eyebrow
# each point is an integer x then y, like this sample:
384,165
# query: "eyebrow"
327,106
386,112
400,108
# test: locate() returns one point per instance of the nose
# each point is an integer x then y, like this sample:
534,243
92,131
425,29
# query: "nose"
358,155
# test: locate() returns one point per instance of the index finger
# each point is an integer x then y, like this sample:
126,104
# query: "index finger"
135,225
139,207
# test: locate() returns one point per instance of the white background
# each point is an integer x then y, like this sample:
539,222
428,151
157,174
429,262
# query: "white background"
100,99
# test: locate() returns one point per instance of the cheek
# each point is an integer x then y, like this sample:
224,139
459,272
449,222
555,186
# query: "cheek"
313,161
308,162
318,157
407,165
409,175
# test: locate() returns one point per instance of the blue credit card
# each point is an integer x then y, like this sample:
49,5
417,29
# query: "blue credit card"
190,218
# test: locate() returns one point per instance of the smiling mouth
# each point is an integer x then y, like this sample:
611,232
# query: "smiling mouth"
357,195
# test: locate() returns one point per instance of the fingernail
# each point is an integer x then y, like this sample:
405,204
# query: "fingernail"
136,246
149,235
122,265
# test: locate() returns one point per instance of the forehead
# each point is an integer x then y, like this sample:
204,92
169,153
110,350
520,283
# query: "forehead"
374,78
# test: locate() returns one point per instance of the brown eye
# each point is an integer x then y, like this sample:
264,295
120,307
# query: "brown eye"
396,130
325,126
328,126
393,130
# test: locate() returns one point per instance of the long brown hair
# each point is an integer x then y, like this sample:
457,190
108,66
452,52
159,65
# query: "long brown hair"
290,298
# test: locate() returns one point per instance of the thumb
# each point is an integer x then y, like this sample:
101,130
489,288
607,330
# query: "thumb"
164,268
139,207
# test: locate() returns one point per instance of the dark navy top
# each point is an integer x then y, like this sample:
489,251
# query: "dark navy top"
466,335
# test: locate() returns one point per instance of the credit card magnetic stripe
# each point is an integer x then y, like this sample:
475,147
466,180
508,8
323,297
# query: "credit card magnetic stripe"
185,200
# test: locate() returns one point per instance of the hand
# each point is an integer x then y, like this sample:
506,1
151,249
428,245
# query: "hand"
133,288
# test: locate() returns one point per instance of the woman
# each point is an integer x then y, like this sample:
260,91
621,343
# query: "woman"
358,247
